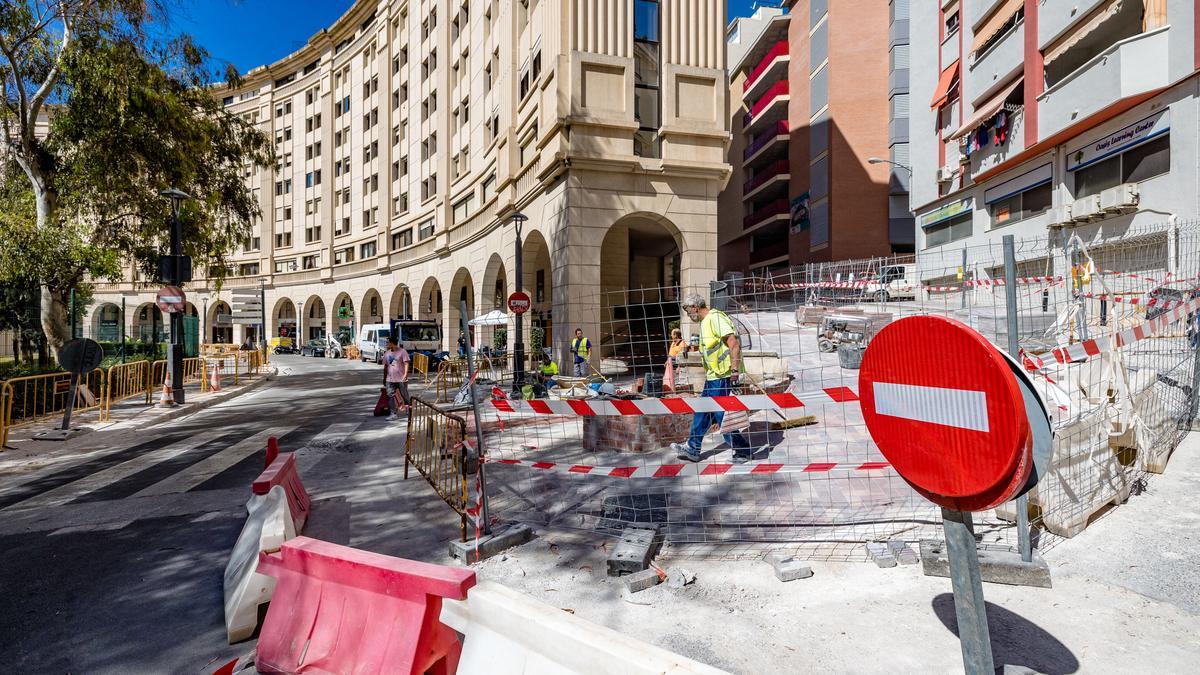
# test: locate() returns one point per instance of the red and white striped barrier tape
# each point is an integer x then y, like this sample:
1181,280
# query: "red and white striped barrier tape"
690,469
993,282
1082,351
675,405
1128,299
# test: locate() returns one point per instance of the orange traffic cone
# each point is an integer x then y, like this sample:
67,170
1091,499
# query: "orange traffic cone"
168,396
214,382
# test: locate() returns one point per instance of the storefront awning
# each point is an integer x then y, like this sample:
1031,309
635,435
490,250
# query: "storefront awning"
990,107
945,82
995,22
1097,18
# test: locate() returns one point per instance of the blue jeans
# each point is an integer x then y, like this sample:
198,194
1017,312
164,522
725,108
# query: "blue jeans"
702,421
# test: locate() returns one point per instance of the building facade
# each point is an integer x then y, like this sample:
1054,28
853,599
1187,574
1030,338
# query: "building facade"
815,94
1051,117
411,131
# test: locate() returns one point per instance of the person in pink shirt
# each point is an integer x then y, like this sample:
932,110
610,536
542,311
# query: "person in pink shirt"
395,376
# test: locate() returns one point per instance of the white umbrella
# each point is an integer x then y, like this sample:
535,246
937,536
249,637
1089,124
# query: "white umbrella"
492,318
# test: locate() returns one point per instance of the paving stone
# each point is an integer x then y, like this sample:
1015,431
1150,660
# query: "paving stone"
792,569
634,551
881,554
640,581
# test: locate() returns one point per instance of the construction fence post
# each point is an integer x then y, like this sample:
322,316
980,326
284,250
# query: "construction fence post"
1014,350
483,501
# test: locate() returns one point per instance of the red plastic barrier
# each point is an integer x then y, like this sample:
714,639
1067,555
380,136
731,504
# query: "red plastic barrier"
341,610
282,471
272,450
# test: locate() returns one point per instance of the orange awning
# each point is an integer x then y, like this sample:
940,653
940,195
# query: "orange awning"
987,30
949,75
984,112
1096,19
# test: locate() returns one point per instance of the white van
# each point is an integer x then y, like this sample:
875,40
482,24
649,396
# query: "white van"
418,335
372,341
895,282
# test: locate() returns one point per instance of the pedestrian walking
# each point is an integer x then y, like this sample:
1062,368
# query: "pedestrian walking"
581,348
721,352
396,364
676,348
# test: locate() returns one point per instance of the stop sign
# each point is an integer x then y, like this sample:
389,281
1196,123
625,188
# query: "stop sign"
945,409
171,299
518,302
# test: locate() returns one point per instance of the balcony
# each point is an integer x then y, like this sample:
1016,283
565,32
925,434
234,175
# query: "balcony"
1132,66
773,210
993,68
985,159
950,48
981,9
1054,18
898,81
898,32
772,68
898,131
771,252
764,141
771,108
778,172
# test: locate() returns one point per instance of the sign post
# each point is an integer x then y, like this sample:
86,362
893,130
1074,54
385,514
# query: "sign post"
964,436
172,301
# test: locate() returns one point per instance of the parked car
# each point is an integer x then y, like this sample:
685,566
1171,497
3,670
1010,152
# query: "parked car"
313,348
282,345
372,341
895,282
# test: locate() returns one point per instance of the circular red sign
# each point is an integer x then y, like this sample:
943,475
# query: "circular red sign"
171,299
944,407
518,303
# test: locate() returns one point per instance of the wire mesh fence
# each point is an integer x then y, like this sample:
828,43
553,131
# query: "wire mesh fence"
1106,329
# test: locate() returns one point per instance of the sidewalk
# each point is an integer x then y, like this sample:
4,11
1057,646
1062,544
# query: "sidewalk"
1125,599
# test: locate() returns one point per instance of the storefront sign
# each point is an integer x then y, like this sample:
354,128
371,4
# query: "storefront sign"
947,212
1026,181
1135,134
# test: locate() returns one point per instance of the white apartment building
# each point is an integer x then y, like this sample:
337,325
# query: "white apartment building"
410,131
1076,116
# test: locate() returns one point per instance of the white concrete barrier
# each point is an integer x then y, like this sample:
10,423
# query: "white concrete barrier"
510,633
267,527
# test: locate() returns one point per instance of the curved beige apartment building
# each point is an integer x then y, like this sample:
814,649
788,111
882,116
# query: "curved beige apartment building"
410,131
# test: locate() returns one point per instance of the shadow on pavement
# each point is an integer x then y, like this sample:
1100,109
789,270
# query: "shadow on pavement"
1016,640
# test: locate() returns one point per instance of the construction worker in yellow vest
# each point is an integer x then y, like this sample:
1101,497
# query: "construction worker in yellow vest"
721,351
581,349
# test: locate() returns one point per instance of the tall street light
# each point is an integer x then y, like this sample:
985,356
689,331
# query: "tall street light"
518,219
176,270
880,160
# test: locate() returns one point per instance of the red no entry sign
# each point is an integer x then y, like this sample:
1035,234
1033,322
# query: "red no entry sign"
171,299
518,302
944,407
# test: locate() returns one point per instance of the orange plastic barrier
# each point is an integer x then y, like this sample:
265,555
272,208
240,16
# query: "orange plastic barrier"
340,610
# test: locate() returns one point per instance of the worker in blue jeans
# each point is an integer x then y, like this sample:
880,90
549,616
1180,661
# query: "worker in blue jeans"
721,352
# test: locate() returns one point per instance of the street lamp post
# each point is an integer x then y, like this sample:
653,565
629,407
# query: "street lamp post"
176,271
518,219
880,160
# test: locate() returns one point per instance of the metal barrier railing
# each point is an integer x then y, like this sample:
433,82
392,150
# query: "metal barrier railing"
35,397
449,379
123,381
434,445
226,366
5,412
420,365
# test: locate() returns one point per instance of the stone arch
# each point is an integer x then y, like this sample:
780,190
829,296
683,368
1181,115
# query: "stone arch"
493,293
284,320
371,308
218,332
106,322
343,322
537,282
431,305
462,288
401,305
148,323
641,259
313,318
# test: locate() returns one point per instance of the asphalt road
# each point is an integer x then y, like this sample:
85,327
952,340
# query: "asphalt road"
113,560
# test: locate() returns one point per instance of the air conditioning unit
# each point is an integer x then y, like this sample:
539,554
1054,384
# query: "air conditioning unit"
1120,199
1060,215
1086,209
946,174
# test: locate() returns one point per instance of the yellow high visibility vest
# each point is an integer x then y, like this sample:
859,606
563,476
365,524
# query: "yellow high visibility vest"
714,351
581,347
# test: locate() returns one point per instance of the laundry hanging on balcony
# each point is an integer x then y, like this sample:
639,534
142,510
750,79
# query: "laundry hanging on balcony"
989,125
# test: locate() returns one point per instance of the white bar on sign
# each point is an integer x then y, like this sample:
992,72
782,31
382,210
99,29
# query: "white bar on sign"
960,408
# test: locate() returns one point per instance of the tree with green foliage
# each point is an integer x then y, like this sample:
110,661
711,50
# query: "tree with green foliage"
98,119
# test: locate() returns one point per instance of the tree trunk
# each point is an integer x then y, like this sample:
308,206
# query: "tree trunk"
53,314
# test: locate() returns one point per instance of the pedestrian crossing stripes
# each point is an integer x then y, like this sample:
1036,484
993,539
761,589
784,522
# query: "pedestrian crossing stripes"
201,471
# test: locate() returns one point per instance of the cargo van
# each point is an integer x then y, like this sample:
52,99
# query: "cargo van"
894,282
418,335
372,341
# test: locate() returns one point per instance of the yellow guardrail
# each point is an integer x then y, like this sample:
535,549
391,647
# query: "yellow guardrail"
226,366
5,413
123,381
434,445
420,363
449,379
34,397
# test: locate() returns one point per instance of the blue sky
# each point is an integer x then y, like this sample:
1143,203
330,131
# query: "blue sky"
235,30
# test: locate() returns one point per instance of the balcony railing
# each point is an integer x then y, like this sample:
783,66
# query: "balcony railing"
780,49
774,169
768,210
770,96
765,253
780,128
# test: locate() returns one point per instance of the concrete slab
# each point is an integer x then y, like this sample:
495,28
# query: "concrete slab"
634,551
995,566
501,539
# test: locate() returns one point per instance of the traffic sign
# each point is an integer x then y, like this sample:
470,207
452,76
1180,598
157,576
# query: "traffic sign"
518,302
945,409
171,299
224,319
80,355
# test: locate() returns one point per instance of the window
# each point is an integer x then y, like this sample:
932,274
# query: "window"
489,188
399,204
308,179
344,229
251,244
464,207
402,239
310,262
952,23
282,266
425,229
524,91
1022,205
647,66
287,133
248,270
947,231
366,250
536,68
1132,166
283,239
343,255
311,234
